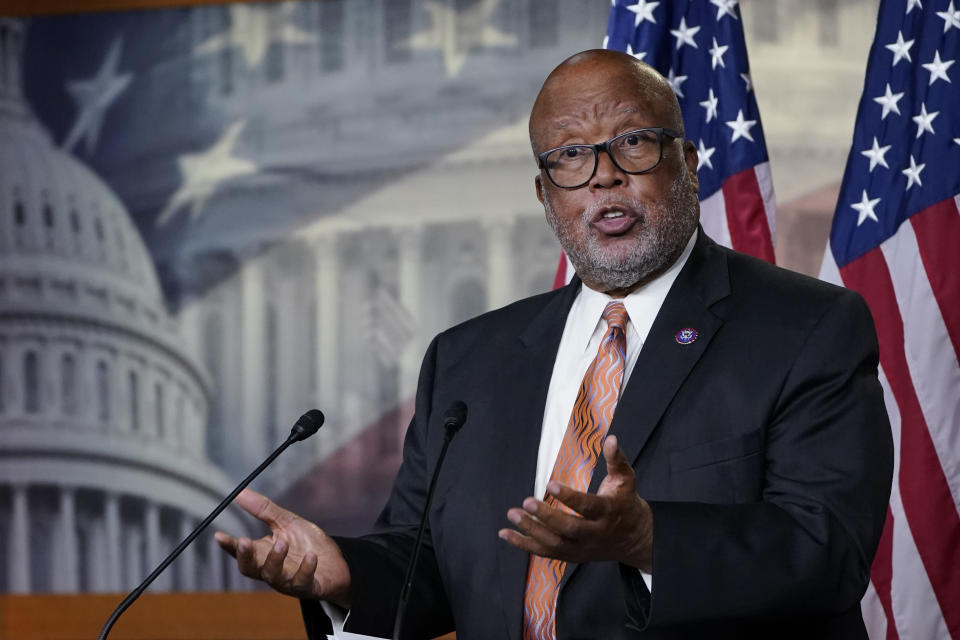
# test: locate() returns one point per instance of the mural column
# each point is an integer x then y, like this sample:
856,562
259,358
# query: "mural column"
119,413
409,263
500,273
252,367
151,531
235,580
18,558
66,576
325,253
94,555
133,569
214,564
111,517
188,559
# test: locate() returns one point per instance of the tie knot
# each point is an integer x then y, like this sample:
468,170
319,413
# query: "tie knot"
616,315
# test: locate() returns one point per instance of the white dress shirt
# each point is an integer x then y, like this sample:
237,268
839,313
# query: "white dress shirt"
579,344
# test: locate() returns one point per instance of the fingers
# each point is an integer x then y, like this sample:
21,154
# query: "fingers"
258,559
534,528
263,509
227,542
523,542
272,562
617,463
610,524
272,570
546,530
246,558
586,504
620,479
546,546
302,580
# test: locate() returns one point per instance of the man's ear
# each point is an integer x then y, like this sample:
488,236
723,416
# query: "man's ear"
538,183
691,158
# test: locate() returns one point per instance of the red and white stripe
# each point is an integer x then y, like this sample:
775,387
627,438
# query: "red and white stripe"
741,215
912,285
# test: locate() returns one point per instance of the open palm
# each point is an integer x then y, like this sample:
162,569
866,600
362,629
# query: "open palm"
296,558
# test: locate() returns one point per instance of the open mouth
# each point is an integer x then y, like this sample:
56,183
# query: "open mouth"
613,222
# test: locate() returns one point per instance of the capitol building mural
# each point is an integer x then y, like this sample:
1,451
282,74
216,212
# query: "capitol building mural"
213,219
103,410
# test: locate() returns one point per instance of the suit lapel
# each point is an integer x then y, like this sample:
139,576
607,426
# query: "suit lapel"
522,395
664,362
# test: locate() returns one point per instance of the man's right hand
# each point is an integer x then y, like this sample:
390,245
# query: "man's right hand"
297,558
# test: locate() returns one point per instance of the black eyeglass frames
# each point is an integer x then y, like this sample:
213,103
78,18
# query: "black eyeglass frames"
633,152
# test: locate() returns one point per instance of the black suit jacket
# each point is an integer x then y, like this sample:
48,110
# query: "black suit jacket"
763,448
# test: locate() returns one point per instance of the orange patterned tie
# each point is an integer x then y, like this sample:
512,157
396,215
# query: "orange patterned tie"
581,445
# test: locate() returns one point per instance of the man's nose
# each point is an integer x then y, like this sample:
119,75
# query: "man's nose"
607,174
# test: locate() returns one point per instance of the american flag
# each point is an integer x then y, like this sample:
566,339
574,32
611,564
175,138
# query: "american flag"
698,45
896,240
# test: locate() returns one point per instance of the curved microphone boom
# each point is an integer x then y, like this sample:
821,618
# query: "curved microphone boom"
308,424
454,418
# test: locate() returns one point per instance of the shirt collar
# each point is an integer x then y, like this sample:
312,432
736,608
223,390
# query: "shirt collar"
642,305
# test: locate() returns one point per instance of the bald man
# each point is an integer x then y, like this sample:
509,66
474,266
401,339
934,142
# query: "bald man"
685,442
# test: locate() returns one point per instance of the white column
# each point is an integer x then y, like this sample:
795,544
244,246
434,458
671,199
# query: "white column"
133,570
94,556
14,52
327,328
408,263
18,553
500,271
51,402
252,438
237,581
66,577
151,531
84,386
187,570
215,556
111,520
119,395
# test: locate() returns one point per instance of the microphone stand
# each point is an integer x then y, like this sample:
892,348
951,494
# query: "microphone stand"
295,436
454,419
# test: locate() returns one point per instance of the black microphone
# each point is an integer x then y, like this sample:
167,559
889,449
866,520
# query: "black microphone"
453,419
308,424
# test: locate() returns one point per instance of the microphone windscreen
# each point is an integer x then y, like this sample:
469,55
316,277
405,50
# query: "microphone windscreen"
308,424
455,416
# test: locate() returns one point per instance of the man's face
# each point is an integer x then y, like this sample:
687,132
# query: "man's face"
618,229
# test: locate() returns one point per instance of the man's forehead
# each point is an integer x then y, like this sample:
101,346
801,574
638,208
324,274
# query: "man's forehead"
578,112
601,84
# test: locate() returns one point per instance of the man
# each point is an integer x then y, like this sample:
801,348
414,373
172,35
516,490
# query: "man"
703,433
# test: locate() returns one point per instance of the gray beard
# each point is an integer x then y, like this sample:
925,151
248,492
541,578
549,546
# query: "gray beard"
661,238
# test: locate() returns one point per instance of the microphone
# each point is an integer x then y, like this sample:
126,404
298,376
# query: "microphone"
308,424
453,419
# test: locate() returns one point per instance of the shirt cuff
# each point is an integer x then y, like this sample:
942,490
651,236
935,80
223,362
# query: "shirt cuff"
338,617
647,579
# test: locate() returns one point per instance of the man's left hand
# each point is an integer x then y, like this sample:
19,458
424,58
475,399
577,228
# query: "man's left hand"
615,524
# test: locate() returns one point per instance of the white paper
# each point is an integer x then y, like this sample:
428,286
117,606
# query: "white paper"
346,635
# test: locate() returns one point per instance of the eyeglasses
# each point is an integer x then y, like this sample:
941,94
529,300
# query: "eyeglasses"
633,152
